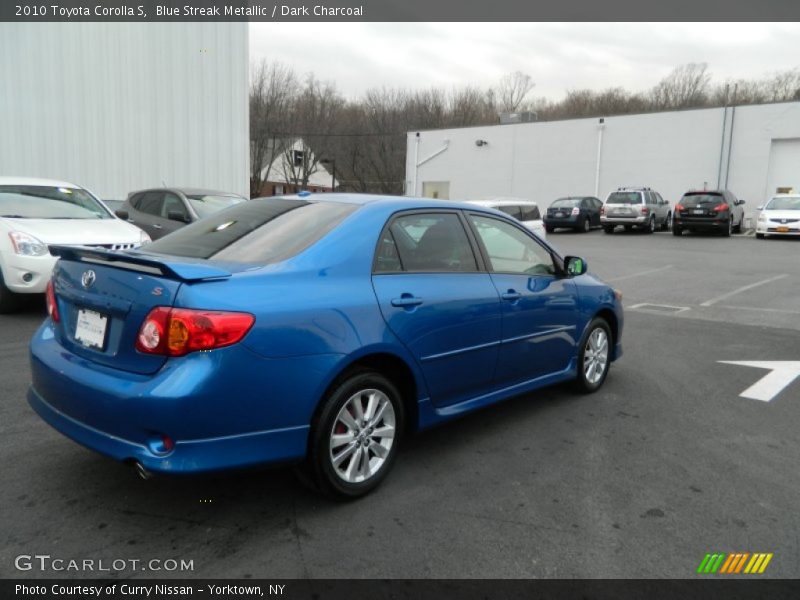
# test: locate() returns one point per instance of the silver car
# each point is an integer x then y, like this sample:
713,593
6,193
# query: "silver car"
631,207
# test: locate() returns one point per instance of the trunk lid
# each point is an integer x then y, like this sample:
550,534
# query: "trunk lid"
103,298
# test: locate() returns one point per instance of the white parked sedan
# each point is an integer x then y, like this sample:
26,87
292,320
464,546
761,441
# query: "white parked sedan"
780,216
523,210
35,213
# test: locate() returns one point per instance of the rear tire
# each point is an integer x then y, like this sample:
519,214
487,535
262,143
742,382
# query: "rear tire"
351,451
594,358
608,229
729,229
651,226
738,228
677,231
9,301
549,228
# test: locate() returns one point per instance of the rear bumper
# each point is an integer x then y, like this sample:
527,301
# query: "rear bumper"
700,224
570,222
188,456
224,409
639,221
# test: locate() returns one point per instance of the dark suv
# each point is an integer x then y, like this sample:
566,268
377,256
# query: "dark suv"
708,210
161,211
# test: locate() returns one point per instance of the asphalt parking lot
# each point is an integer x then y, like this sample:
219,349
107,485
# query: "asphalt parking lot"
666,463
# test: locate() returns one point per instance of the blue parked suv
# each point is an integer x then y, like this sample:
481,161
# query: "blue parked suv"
311,330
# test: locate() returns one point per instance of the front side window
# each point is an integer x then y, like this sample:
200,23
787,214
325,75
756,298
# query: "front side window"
428,242
259,231
173,204
151,203
511,250
48,202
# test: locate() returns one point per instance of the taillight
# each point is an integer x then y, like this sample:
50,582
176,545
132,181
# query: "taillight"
678,207
721,207
178,331
645,210
603,210
52,305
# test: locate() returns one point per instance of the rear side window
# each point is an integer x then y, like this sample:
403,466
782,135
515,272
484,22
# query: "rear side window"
513,211
530,213
426,242
151,203
624,198
259,231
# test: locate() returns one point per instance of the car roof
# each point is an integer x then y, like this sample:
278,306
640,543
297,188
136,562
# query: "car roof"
502,201
187,191
391,203
7,180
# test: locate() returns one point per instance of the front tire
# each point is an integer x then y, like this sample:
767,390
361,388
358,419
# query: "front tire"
587,226
356,435
594,357
729,229
651,226
667,224
759,236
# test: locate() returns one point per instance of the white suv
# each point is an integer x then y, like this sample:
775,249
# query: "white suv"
35,213
526,211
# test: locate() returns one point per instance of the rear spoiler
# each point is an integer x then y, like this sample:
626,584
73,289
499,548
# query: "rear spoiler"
183,271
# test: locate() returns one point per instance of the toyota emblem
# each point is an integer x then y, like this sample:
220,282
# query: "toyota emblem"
87,279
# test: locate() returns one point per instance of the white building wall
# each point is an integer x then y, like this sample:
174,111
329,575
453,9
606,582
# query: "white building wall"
670,152
121,106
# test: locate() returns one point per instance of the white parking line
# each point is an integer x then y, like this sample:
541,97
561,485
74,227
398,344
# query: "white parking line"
613,279
759,309
742,289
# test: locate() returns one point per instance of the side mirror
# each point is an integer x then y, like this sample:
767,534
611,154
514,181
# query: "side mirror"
760,207
176,215
575,266
122,214
740,201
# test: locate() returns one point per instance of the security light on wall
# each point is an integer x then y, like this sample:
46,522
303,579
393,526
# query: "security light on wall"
480,143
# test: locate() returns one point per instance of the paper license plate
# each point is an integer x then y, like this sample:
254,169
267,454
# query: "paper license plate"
90,329
783,230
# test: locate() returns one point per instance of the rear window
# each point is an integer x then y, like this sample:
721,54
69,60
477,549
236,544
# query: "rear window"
624,198
690,200
566,203
258,231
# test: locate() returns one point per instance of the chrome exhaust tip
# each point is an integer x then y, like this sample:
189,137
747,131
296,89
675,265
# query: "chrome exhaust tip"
143,473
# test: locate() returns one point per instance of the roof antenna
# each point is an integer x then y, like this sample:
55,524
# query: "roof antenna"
163,183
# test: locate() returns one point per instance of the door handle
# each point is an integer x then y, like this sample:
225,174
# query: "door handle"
406,300
511,295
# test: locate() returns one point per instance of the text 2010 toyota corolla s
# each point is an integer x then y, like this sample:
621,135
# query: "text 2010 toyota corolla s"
311,330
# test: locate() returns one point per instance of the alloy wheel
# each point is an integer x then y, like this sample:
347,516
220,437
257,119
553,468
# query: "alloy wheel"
362,436
595,356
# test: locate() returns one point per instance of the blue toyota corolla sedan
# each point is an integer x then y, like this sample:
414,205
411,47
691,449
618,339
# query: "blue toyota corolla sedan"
314,330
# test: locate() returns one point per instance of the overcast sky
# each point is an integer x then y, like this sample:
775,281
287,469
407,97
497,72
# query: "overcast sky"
558,56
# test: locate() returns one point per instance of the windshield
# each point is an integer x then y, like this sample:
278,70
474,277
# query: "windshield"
207,204
47,202
624,198
788,203
566,203
257,231
690,200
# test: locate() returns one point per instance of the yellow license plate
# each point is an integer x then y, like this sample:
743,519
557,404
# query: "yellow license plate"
783,230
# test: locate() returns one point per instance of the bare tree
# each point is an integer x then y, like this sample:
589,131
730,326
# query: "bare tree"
686,86
273,88
313,122
512,90
783,86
